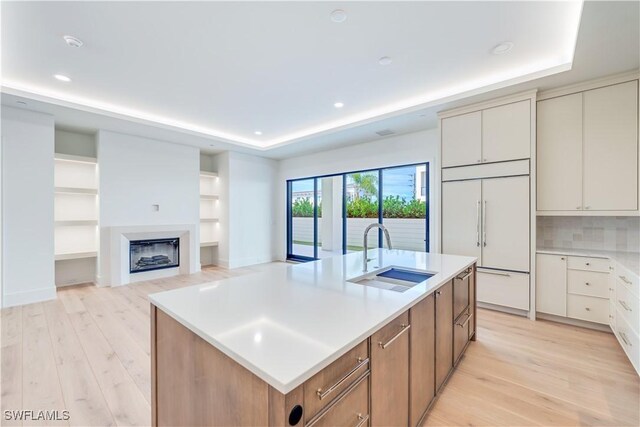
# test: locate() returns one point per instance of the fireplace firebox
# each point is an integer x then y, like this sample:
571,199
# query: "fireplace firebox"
153,254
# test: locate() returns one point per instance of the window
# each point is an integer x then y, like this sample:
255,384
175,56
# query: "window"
327,215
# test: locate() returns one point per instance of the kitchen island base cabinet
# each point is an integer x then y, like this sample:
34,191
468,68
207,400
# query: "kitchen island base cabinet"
390,374
390,378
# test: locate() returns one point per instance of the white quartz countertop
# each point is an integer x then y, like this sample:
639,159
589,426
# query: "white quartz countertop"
629,260
289,322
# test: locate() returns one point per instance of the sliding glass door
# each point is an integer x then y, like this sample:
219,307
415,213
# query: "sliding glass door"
327,215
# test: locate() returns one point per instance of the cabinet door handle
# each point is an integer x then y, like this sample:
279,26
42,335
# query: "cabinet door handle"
587,264
463,324
362,419
403,329
624,305
322,394
625,280
484,223
468,273
587,283
478,224
587,207
579,207
587,308
624,338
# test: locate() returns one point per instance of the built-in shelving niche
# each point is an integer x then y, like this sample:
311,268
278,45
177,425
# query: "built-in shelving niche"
209,217
76,210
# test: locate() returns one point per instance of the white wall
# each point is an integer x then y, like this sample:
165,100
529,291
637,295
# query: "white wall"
410,148
136,173
27,193
247,220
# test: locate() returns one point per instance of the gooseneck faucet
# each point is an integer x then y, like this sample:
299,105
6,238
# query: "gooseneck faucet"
366,234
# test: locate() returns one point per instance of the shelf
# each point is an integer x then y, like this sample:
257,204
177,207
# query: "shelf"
77,159
209,219
75,255
206,174
75,190
76,222
208,244
209,197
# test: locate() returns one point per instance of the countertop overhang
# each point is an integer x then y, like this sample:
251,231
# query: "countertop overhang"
288,322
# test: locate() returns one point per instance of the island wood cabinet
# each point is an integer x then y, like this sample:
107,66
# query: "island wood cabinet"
389,379
494,134
588,151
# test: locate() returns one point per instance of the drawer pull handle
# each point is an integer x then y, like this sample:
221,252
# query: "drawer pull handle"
362,419
587,283
586,263
468,273
624,305
625,280
587,308
496,273
403,329
322,394
624,338
562,258
463,324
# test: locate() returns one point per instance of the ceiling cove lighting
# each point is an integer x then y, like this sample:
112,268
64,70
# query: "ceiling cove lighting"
500,78
62,78
339,104
258,132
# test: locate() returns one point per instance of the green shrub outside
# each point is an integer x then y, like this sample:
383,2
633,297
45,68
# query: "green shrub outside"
365,207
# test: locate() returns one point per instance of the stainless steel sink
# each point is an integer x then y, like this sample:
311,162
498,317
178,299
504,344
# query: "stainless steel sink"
393,278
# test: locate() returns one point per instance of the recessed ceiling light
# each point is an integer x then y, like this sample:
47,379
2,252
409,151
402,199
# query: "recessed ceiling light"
338,16
385,60
62,78
73,41
258,132
503,47
339,104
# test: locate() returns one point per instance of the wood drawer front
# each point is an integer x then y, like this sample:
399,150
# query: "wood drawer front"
461,334
629,340
588,264
351,409
628,305
591,309
334,379
461,292
504,288
588,283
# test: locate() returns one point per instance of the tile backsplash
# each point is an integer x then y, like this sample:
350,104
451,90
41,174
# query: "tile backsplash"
582,232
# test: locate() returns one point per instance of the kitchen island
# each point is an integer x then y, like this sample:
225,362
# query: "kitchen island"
315,344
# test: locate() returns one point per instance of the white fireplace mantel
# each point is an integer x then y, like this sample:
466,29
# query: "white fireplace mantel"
114,252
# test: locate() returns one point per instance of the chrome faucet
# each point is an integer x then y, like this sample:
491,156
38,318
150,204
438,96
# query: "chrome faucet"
366,234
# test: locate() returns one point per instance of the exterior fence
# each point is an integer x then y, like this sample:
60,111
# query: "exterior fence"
406,233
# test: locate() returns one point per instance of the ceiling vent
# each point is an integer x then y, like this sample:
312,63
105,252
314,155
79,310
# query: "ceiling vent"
385,132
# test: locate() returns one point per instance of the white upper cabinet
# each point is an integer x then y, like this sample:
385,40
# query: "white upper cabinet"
494,134
461,139
587,151
506,132
560,153
611,147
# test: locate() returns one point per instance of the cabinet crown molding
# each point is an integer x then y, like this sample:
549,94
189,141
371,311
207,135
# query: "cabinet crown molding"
589,85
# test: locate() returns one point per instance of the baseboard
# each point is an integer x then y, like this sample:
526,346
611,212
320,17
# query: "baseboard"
574,322
29,297
509,310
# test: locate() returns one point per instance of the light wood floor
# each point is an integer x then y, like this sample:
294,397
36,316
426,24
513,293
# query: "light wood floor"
88,352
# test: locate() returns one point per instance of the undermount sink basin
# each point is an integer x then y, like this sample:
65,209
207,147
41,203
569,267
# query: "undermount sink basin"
393,279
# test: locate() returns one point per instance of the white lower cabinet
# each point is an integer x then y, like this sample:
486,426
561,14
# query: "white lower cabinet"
503,288
588,308
551,279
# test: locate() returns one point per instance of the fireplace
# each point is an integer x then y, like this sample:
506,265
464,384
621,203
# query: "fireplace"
153,254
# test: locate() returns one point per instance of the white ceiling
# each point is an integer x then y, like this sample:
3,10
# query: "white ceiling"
210,74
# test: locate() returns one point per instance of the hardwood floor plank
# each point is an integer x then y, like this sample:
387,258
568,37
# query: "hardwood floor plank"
41,390
126,402
82,394
11,358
